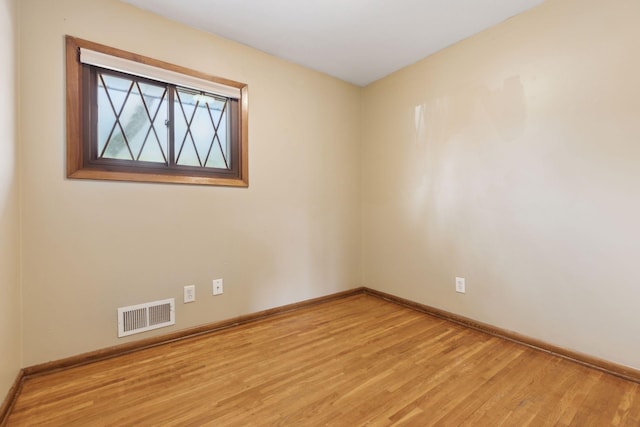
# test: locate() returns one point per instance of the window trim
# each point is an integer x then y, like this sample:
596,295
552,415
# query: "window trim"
77,165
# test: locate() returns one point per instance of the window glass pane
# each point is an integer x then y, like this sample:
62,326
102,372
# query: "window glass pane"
112,92
220,153
126,126
154,147
132,122
184,112
188,155
201,131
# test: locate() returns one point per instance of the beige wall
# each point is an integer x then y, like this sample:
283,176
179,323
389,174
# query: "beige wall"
513,159
90,247
10,333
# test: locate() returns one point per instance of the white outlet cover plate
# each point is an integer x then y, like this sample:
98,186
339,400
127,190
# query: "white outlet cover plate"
460,285
189,293
218,288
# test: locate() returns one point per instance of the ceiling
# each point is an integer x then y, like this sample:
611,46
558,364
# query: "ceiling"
358,41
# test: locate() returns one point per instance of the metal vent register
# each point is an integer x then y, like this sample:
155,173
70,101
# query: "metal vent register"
145,317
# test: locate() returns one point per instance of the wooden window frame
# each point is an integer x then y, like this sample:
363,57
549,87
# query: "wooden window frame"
79,162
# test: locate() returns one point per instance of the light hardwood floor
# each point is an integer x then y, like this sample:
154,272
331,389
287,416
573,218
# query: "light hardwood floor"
353,361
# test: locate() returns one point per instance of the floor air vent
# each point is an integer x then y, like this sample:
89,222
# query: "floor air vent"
145,317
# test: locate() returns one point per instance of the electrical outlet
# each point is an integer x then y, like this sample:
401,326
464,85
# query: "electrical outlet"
217,287
189,293
460,285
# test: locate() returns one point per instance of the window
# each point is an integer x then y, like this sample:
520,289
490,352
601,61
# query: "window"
134,118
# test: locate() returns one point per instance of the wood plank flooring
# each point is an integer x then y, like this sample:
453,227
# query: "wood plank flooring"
354,361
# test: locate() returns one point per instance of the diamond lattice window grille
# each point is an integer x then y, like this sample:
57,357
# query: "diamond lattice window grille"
133,124
131,120
200,129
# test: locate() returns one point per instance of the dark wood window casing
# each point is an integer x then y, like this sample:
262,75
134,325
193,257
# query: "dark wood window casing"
86,159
